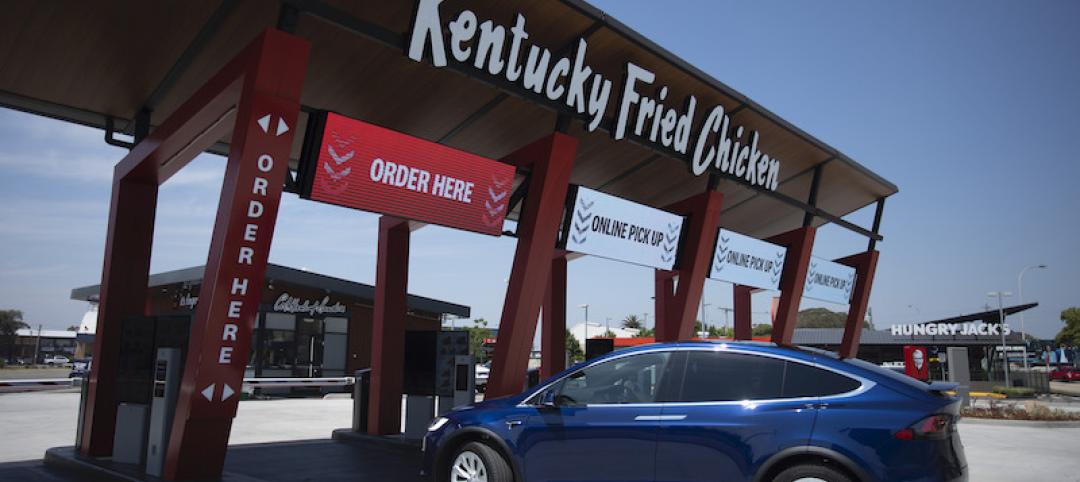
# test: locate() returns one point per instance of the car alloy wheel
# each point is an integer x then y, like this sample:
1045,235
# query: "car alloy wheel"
468,467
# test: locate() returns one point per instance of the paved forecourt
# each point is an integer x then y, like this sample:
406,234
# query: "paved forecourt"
293,443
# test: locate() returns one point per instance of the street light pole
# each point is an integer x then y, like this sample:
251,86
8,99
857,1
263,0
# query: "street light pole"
705,318
1020,288
586,306
1001,328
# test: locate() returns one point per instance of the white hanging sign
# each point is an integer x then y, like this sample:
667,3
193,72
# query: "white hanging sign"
612,227
747,261
829,281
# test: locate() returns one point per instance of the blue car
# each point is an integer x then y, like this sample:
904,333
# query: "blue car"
700,411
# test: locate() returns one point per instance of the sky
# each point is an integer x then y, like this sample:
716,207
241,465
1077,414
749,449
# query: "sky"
969,107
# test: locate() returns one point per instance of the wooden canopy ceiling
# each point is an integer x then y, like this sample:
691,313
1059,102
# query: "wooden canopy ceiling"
88,61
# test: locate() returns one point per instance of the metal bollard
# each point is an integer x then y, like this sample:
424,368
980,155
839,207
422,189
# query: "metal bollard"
361,391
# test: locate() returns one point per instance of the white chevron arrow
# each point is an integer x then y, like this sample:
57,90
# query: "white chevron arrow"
208,392
226,392
264,124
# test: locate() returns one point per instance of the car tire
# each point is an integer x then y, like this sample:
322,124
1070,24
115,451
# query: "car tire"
477,462
811,473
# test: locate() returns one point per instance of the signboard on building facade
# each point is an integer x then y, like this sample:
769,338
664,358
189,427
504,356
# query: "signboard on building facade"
747,261
359,165
611,227
500,48
829,281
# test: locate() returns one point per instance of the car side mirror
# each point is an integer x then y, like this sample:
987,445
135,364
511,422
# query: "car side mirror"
549,399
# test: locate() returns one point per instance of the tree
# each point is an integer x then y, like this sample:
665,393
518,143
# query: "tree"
1070,333
10,322
645,333
823,318
633,322
609,334
573,347
761,329
477,333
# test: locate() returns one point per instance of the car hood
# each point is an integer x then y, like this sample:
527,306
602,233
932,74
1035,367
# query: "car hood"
492,404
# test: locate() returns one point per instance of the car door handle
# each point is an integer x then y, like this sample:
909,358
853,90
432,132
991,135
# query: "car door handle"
513,423
659,418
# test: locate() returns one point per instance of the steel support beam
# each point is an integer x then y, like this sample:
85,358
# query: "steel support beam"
266,78
799,243
124,279
550,159
744,328
553,334
388,327
266,107
679,305
865,265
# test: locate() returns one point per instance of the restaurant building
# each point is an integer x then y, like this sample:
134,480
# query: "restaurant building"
308,324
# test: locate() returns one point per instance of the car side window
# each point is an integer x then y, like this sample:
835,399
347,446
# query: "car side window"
631,379
801,380
721,377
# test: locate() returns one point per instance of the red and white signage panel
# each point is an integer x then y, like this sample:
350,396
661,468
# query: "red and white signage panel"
367,167
916,362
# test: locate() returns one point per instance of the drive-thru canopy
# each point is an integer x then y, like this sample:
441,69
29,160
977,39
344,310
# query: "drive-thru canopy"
573,100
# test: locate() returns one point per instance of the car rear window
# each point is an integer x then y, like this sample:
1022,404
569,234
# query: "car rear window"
806,381
885,372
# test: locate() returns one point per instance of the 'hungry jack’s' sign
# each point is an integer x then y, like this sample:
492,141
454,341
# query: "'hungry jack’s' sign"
367,167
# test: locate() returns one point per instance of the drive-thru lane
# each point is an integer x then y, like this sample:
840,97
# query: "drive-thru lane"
32,422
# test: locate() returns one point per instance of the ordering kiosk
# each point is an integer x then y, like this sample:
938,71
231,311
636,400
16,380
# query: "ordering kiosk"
148,376
439,375
167,371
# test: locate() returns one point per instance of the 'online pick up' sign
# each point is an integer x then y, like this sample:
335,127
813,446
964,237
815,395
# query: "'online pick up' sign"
611,227
371,168
829,281
747,261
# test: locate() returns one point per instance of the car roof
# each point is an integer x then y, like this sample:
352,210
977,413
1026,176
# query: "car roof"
800,352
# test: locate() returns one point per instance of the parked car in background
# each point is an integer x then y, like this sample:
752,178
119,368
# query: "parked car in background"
1065,373
482,372
79,369
56,360
703,411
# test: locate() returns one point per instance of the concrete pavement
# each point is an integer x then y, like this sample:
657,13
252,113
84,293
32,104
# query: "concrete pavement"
1066,388
32,422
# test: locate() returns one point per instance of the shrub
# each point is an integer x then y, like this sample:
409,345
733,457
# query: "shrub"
1015,392
1033,411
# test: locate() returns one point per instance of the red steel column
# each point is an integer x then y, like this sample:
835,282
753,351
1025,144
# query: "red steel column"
663,291
388,327
123,293
551,160
799,243
744,329
865,265
681,305
553,336
265,122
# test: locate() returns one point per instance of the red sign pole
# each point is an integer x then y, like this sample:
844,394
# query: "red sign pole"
680,302
799,243
865,265
266,116
266,76
551,159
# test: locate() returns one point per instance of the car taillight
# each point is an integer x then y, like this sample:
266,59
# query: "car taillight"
932,427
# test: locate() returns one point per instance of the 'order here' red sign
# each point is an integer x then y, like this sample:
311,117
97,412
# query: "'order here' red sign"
367,167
